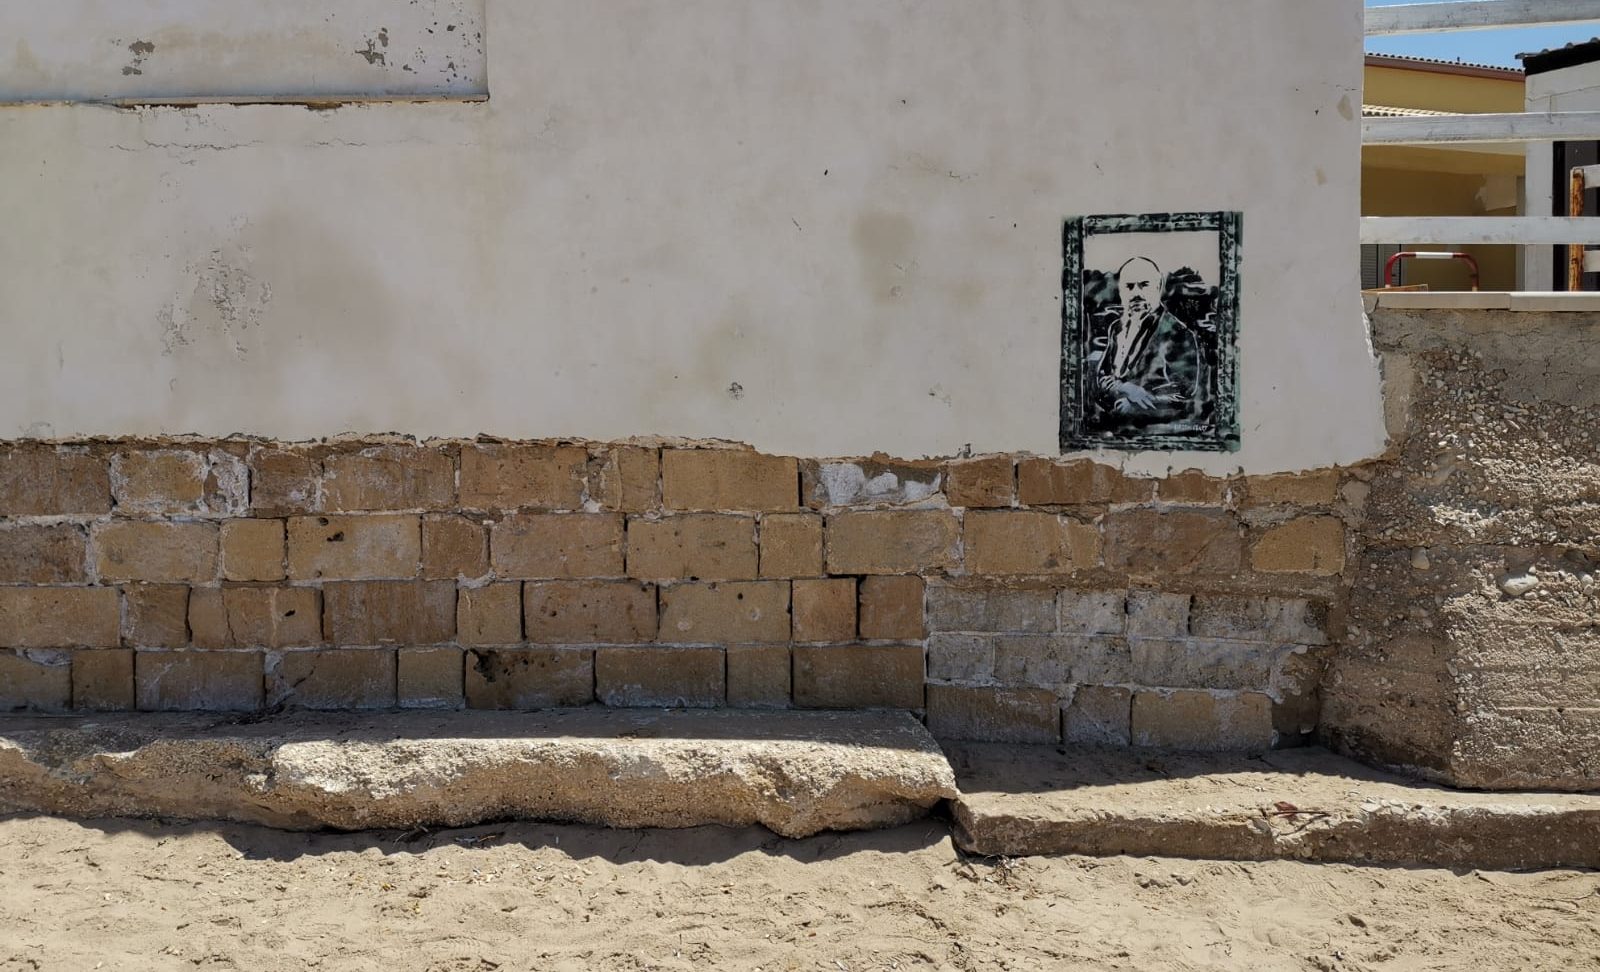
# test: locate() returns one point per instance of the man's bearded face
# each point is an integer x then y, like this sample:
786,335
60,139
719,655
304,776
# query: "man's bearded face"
1140,287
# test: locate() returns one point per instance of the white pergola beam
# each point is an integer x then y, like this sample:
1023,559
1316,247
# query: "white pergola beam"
1424,18
1462,230
1550,126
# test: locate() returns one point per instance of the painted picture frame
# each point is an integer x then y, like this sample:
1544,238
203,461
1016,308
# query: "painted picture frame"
1150,331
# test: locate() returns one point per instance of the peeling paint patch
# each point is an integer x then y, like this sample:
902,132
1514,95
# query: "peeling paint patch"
141,50
235,52
227,301
372,54
870,483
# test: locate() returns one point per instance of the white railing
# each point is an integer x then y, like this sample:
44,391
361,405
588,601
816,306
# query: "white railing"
1427,18
1520,230
1554,126
1461,15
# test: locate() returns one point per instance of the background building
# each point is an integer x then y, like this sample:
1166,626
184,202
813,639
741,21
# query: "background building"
1564,79
1472,180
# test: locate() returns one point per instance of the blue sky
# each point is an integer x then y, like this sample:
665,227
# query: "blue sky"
1499,47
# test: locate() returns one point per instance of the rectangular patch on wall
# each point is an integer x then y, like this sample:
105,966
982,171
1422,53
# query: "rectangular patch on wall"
1149,332
241,51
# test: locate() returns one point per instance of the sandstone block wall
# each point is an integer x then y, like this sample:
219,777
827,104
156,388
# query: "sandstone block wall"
1472,652
1006,597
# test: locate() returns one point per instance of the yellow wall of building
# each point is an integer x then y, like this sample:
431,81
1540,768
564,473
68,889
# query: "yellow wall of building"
1438,91
1479,181
1402,192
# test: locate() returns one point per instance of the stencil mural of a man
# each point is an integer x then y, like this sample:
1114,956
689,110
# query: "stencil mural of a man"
1150,371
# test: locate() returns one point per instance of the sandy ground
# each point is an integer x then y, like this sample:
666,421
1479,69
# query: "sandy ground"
150,896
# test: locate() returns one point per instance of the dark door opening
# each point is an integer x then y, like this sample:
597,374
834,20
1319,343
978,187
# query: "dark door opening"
1568,156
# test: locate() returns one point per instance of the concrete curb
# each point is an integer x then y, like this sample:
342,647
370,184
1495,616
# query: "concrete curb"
796,773
1294,804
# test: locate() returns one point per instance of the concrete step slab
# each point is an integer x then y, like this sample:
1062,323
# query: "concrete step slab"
1300,804
797,773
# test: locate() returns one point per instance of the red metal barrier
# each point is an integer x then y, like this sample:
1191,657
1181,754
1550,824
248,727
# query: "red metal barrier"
1388,268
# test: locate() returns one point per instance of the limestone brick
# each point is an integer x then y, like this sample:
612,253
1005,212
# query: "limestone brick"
1053,660
1308,545
1294,621
59,617
430,678
1014,542
990,609
1196,488
529,678
1202,721
253,550
824,609
389,477
537,546
892,608
159,481
40,480
254,617
628,480
102,680
284,482
1169,542
380,547
355,678
155,615
155,552
453,546
589,612
1092,612
858,676
1203,663
791,545
961,657
497,476
892,541
1046,482
1319,488
389,612
1098,715
989,714
728,479
35,680
725,613
489,615
987,482
55,554
1155,614
758,676
875,482
660,677
210,681
692,546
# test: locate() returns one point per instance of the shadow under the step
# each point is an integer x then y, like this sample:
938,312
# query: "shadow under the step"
1007,768
883,728
690,846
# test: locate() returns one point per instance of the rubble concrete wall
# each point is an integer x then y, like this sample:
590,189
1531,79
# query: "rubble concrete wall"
1471,652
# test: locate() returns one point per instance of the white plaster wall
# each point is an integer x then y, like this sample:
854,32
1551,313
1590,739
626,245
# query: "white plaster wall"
850,209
